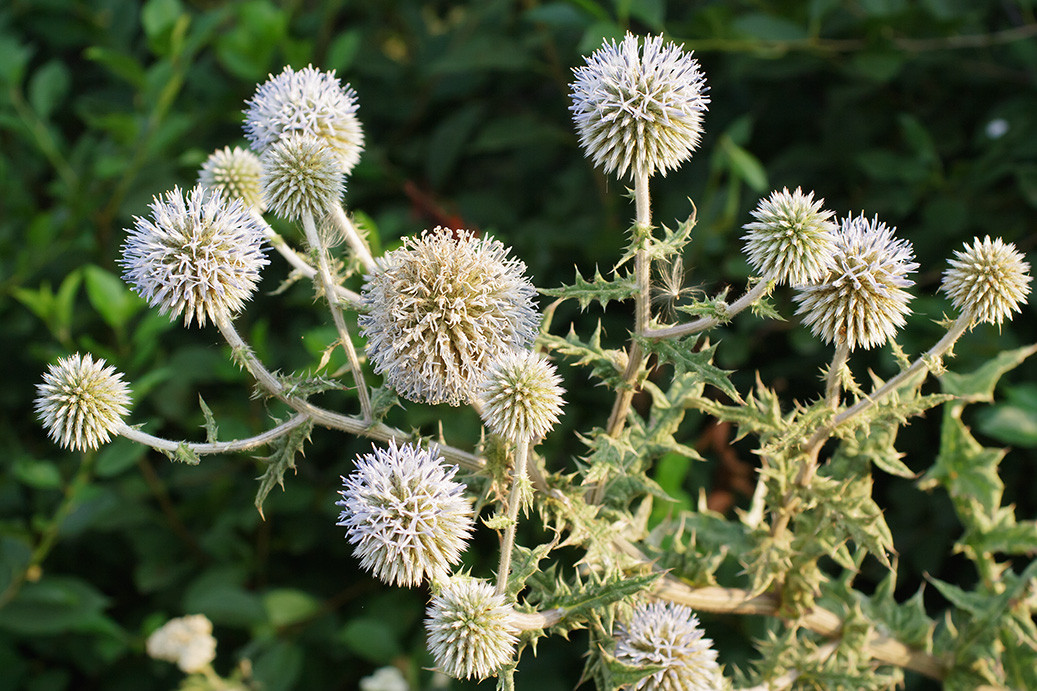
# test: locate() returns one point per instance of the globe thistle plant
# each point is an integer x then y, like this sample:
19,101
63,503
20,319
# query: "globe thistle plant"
198,255
235,173
308,102
791,239
301,175
668,636
861,300
81,402
470,634
405,515
639,111
521,396
988,279
440,309
187,641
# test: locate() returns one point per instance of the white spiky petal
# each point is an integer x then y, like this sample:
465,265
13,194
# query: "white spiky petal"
200,256
861,300
187,641
309,102
404,515
469,629
235,173
639,111
989,279
668,635
521,396
791,239
441,309
81,402
301,175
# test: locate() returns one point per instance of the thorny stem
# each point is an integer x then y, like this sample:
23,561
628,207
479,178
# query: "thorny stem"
356,242
326,282
751,296
158,443
514,504
833,381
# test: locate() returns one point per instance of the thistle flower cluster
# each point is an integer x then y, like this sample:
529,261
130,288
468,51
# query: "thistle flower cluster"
301,175
791,239
406,517
861,300
187,641
441,309
988,280
639,110
235,173
198,255
668,636
470,633
81,402
521,396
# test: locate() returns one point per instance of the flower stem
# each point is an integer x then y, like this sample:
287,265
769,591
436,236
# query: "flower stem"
356,242
833,381
160,444
514,503
762,287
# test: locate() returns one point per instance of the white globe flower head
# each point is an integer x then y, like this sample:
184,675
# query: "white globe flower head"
441,309
988,279
309,102
668,635
521,396
385,679
301,175
792,238
470,632
235,173
198,255
187,641
406,517
861,300
639,111
81,402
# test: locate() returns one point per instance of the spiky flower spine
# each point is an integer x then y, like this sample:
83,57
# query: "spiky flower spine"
310,102
521,396
236,174
469,629
639,111
405,516
81,402
301,175
791,239
440,309
668,635
861,300
199,256
988,279
187,641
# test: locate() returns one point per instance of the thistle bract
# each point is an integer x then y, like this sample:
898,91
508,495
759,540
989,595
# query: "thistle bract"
81,402
469,632
668,635
791,239
988,279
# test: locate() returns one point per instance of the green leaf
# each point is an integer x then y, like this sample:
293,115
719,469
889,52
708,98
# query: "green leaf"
966,469
224,602
116,303
598,289
118,456
371,638
37,473
13,58
744,165
606,364
1014,421
48,87
686,355
54,605
158,17
120,64
281,460
278,667
449,140
978,385
286,606
212,433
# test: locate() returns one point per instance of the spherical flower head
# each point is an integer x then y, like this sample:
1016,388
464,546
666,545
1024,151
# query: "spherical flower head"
861,300
469,629
235,173
441,308
667,635
301,175
639,111
521,396
308,102
81,402
199,256
405,515
990,280
187,641
791,239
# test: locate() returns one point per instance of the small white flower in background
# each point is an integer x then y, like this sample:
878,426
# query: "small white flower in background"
639,111
300,175
81,402
861,300
236,174
668,635
792,237
199,256
997,128
989,280
385,679
521,396
470,634
441,309
405,515
307,102
187,641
